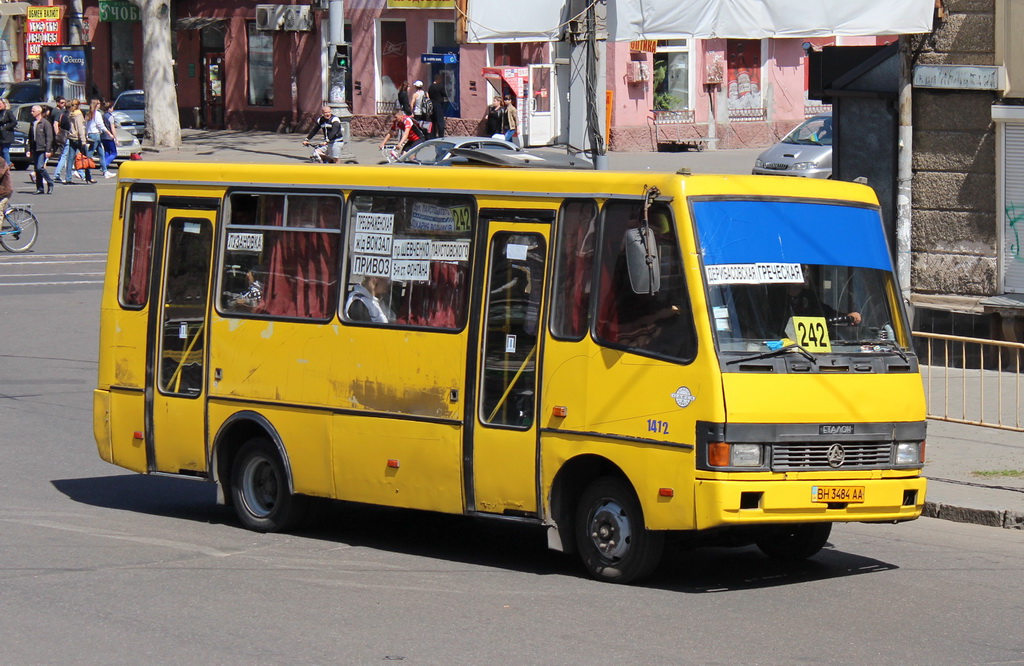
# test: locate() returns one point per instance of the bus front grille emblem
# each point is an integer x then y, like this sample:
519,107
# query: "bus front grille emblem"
836,455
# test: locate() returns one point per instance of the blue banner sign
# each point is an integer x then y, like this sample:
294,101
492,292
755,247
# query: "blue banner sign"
440,58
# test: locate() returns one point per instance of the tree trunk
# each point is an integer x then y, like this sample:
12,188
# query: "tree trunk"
162,125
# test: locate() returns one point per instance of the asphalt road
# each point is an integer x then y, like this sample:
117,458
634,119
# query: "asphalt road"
98,565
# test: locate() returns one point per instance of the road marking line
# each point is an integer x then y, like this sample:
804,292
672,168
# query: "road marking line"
34,284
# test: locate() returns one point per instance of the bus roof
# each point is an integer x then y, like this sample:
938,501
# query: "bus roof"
531,182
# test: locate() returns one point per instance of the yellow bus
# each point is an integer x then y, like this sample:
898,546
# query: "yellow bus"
615,356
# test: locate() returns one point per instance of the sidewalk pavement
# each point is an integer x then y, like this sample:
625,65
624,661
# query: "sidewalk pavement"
963,461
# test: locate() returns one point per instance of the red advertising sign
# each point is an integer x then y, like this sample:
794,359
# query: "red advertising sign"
42,28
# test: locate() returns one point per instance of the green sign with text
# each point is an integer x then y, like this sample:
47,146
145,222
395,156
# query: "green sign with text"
118,10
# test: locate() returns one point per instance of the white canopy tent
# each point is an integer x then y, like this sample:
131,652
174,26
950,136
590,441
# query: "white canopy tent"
542,20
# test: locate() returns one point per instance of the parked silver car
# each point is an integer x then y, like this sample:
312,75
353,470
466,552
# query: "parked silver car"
806,151
130,111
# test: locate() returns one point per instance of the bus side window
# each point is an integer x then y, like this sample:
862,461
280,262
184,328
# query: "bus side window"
577,224
281,255
661,324
137,255
408,260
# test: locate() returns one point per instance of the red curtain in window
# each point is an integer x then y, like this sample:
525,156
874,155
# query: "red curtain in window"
441,301
578,257
141,253
300,272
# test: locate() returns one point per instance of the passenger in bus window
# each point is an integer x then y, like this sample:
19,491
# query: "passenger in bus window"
254,294
364,303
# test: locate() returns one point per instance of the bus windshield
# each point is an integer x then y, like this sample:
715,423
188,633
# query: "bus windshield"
784,274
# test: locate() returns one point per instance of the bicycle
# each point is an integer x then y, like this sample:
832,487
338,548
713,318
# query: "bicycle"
18,231
317,152
390,153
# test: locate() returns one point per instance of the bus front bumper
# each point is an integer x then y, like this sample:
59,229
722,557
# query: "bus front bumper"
719,502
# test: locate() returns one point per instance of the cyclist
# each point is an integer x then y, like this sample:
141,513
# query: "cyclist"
405,131
330,125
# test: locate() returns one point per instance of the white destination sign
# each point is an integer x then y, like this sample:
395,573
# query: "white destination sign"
411,248
381,223
403,270
365,243
245,242
754,273
429,216
449,250
365,264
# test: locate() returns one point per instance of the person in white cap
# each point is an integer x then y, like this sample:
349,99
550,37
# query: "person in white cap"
418,112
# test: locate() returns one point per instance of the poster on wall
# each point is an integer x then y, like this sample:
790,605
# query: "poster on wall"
65,72
743,58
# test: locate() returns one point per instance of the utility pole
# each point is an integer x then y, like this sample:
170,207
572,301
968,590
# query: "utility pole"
76,28
587,36
338,63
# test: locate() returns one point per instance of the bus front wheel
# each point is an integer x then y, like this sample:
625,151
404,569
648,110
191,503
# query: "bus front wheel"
259,488
613,543
795,542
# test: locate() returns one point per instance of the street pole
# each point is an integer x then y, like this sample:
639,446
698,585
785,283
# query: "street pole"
904,170
587,39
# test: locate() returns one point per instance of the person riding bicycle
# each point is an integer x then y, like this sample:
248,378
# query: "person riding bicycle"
330,125
405,131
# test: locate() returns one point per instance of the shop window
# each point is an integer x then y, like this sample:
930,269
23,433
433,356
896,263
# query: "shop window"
280,255
261,66
672,75
408,260
659,324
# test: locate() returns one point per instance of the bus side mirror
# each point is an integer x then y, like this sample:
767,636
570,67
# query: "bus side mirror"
642,261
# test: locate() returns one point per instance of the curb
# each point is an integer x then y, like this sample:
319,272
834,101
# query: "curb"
1011,520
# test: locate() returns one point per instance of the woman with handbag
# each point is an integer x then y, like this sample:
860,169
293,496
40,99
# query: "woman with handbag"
96,130
77,159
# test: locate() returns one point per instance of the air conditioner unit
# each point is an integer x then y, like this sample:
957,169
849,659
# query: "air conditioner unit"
284,17
637,71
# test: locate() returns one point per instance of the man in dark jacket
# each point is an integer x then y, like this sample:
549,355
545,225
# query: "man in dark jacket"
330,125
438,97
40,140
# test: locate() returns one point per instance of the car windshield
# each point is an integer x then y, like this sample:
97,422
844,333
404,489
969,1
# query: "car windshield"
785,272
816,131
130,102
428,153
27,92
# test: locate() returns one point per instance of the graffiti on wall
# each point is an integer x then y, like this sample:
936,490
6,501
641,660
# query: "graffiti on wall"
1012,219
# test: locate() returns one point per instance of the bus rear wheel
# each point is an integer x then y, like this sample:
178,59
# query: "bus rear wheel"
614,545
259,488
795,542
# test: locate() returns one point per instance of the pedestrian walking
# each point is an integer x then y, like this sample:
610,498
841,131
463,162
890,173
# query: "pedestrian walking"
61,131
78,139
7,124
110,140
40,141
95,131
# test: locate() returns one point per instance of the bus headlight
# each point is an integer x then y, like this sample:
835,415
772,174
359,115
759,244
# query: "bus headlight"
910,453
723,454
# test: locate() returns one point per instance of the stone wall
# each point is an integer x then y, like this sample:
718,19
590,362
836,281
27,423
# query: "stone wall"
954,222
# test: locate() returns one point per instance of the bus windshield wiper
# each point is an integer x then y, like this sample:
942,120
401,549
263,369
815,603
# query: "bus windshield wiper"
890,344
776,352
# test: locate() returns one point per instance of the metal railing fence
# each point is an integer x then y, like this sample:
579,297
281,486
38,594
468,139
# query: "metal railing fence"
972,380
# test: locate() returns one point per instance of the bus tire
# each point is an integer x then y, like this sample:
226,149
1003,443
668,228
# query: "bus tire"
795,542
259,488
613,543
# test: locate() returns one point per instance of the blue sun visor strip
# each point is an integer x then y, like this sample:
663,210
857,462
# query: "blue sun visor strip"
748,232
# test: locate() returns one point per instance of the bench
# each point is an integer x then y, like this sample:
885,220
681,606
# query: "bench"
677,127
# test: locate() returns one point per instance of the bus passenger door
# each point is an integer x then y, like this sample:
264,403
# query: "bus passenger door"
503,464
176,365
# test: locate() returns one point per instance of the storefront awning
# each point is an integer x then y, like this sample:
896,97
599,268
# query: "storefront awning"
13,8
628,20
